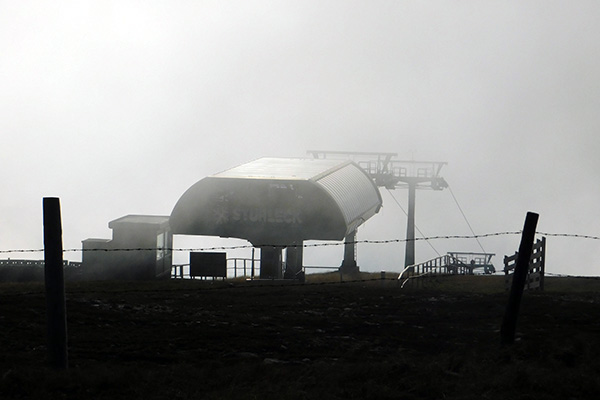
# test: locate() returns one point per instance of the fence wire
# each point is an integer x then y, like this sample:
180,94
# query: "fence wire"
328,244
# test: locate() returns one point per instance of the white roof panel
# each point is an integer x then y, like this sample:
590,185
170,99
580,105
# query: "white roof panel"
281,168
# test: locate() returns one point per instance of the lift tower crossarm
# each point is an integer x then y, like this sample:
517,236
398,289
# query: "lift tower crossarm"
377,165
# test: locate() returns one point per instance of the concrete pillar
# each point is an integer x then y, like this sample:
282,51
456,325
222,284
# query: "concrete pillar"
293,262
409,257
349,263
270,262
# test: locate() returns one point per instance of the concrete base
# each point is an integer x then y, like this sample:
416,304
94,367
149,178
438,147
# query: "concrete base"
349,267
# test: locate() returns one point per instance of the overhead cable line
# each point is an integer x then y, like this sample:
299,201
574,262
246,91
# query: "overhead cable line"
466,220
416,227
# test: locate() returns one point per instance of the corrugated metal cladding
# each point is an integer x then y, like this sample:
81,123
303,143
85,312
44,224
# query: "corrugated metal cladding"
354,193
280,168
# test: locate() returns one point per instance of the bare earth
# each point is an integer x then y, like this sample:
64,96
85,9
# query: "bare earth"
361,340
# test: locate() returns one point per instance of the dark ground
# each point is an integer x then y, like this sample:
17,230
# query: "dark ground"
362,340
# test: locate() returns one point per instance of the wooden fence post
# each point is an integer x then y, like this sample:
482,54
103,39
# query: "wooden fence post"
55,284
509,322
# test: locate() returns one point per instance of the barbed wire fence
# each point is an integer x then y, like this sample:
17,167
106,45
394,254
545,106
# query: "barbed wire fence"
320,244
328,244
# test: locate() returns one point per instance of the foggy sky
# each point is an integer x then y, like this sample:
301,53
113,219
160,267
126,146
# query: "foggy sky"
117,107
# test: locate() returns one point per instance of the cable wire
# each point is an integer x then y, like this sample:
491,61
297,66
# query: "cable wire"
465,217
416,227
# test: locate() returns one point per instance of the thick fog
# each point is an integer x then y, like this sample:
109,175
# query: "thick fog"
118,107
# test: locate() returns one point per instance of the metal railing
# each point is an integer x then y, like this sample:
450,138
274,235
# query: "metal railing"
248,266
442,265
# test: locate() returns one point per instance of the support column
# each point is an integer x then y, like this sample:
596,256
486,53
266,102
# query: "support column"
293,262
409,257
270,262
349,263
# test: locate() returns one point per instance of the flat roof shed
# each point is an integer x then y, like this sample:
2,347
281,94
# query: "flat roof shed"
279,201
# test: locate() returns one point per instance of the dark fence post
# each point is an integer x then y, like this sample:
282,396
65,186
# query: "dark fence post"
509,322
542,269
55,284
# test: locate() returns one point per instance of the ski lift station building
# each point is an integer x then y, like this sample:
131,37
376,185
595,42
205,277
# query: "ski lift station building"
278,203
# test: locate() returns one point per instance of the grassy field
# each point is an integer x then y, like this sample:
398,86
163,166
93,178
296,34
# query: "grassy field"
366,339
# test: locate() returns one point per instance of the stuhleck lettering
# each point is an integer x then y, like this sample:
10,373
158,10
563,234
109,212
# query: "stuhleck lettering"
257,215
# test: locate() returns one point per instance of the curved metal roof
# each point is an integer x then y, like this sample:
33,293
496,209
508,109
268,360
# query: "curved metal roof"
279,201
280,168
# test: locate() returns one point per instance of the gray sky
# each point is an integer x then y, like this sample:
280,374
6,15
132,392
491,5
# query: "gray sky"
117,107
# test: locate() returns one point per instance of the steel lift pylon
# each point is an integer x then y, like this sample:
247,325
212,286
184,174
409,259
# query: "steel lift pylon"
389,172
